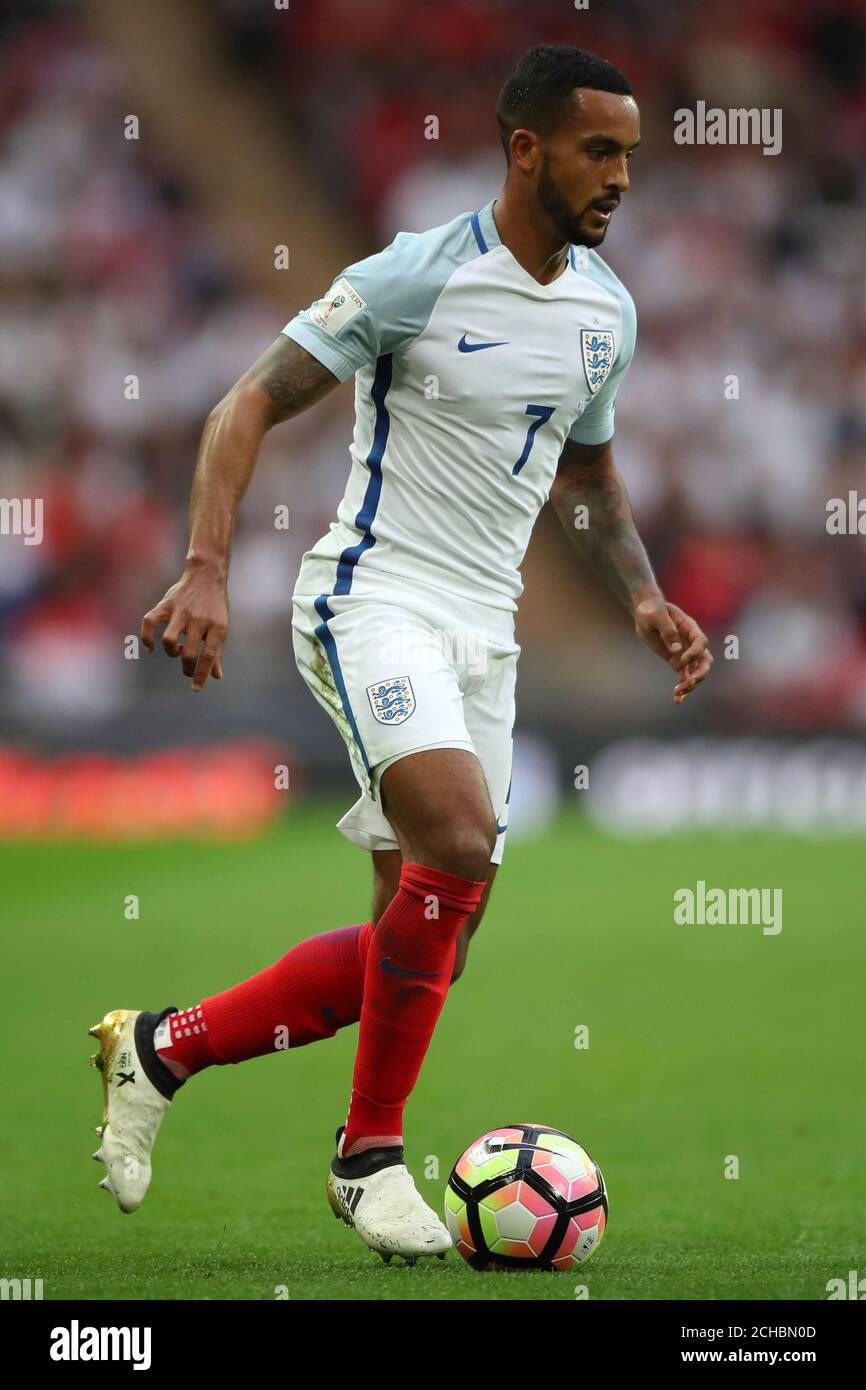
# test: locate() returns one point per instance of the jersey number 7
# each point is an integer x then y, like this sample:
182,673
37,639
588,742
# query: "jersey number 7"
543,414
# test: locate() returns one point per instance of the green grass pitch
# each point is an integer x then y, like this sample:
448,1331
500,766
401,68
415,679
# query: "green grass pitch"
705,1041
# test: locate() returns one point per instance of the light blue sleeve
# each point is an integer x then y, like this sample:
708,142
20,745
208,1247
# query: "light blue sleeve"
380,304
595,425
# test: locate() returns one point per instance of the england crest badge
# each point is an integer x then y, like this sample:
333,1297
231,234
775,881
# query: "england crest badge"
392,700
597,351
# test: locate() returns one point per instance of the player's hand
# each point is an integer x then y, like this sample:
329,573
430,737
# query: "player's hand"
677,639
195,608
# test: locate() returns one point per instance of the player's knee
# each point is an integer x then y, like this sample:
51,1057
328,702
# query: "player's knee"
463,849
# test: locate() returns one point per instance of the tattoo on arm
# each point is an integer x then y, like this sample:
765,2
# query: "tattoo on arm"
591,501
292,377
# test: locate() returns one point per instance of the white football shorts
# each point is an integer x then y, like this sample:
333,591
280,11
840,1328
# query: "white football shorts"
403,670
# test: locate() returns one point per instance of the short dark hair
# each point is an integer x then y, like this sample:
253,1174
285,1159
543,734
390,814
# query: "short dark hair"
538,92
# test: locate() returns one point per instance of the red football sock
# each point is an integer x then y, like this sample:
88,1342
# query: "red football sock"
312,991
409,963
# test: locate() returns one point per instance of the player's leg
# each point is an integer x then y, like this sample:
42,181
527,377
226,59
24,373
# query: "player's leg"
439,806
313,990
393,687
387,864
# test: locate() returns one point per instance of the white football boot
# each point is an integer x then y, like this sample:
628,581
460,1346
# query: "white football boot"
135,1096
375,1194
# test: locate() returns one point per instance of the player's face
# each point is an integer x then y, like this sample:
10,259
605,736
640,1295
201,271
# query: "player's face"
584,168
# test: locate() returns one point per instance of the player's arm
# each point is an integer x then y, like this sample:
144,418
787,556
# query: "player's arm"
587,477
285,380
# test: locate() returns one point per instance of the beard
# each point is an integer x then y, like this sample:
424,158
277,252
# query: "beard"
568,225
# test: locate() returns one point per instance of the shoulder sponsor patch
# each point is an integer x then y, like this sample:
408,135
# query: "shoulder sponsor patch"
391,700
597,351
338,307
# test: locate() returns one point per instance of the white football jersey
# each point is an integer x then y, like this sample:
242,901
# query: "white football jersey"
469,377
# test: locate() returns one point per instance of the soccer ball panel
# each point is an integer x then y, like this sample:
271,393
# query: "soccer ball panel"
517,1249
457,1221
569,1171
515,1221
583,1235
536,1202
489,1228
577,1246
541,1234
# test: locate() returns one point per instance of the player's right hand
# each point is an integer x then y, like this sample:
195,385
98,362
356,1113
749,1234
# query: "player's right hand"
196,608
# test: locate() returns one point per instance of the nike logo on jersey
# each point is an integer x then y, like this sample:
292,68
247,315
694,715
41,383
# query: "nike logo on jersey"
463,346
388,966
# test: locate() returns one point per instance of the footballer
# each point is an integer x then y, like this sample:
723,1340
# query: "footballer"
487,355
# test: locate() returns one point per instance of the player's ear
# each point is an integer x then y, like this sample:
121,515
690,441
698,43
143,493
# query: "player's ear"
526,151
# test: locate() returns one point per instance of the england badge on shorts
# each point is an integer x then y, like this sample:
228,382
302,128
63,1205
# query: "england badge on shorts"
392,700
596,349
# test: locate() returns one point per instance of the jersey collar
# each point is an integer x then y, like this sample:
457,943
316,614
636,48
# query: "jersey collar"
484,227
487,226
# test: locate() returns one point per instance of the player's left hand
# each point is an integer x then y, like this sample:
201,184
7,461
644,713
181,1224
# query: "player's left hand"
677,639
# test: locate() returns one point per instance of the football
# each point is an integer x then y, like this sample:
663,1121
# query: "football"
526,1197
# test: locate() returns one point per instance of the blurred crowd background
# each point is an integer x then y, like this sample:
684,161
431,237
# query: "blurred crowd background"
141,257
